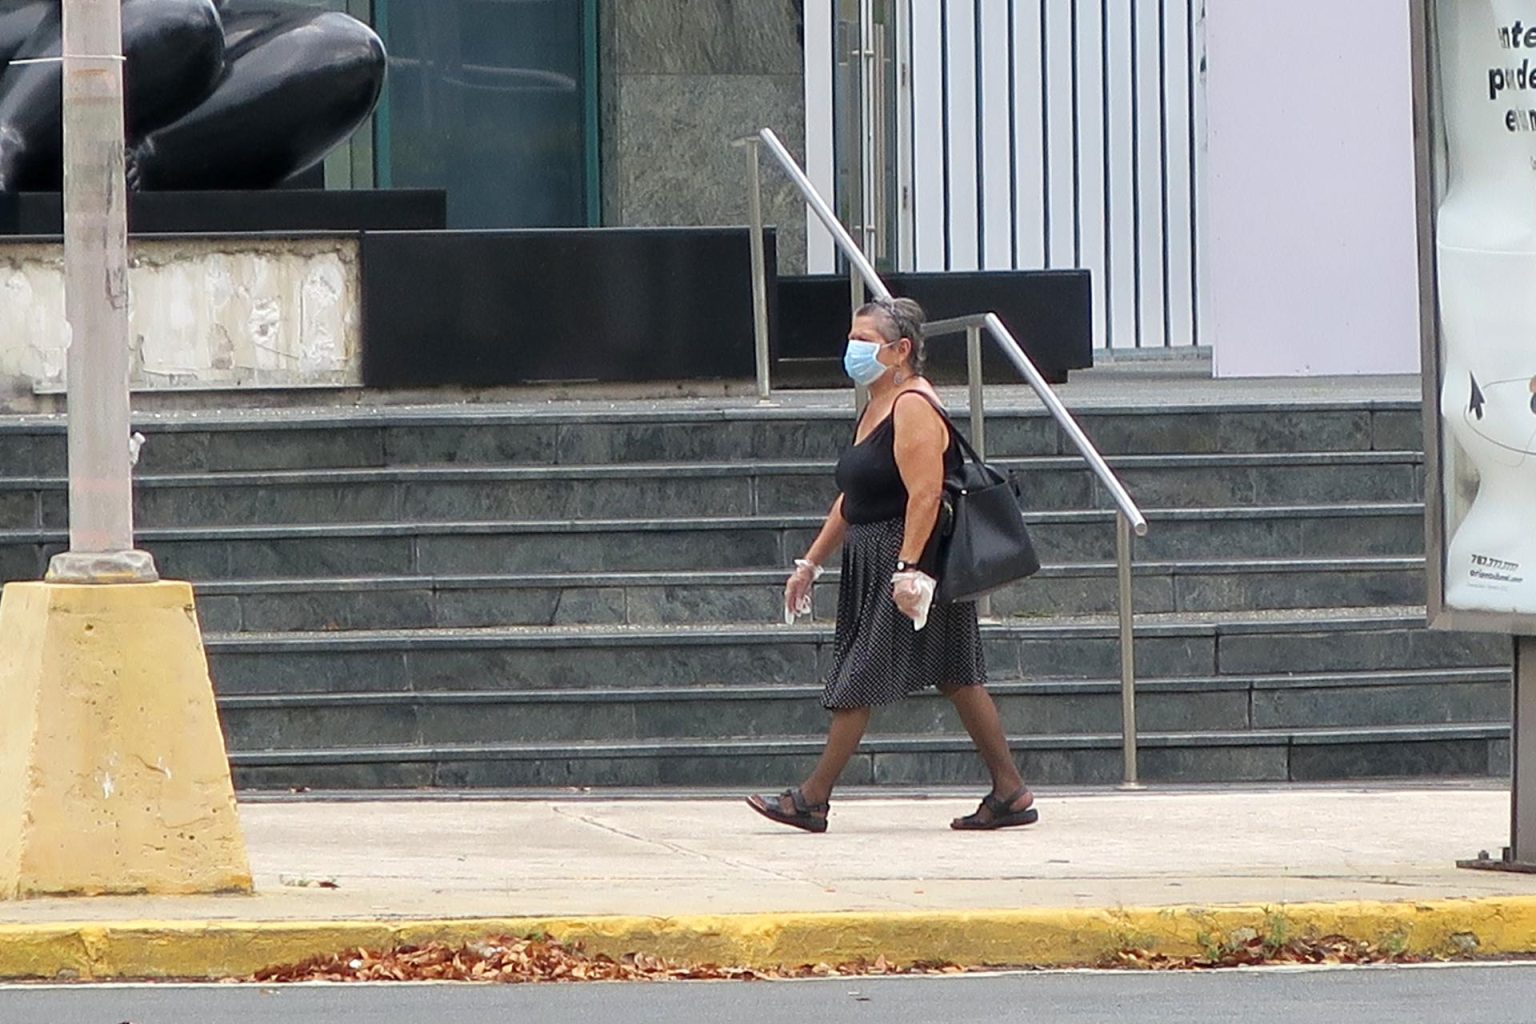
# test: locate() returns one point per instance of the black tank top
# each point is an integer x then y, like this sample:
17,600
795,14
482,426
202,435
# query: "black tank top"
867,475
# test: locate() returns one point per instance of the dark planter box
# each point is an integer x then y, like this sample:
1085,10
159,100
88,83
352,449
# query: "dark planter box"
1050,312
494,308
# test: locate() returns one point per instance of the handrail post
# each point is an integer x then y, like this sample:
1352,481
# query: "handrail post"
973,378
1127,650
759,268
978,419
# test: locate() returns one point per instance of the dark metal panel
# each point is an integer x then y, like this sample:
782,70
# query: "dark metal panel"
492,308
1049,311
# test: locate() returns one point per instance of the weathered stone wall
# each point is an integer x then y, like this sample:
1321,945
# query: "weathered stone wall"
681,79
204,313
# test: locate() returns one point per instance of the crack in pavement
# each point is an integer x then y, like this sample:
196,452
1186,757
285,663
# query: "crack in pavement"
683,850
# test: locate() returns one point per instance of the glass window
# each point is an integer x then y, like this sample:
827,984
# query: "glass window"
492,100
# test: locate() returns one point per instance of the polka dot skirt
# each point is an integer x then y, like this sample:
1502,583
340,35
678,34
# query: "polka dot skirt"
877,655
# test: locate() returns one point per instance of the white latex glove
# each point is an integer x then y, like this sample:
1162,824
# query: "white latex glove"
912,591
797,590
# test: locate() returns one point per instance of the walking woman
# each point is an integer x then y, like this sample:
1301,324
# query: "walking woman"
891,480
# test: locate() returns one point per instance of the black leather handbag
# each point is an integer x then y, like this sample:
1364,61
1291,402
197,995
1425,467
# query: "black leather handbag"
981,542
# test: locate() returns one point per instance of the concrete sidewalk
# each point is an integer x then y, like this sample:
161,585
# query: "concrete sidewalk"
409,868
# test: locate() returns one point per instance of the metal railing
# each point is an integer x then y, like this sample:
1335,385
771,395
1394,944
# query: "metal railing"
862,274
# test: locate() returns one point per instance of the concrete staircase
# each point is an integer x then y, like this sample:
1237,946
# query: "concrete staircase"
586,595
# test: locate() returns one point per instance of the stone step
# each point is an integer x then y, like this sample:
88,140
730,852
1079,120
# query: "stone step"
1036,707
811,426
1281,755
755,595
684,489
514,658
729,542
585,593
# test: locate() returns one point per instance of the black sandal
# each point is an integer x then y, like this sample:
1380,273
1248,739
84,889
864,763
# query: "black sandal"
1001,814
809,816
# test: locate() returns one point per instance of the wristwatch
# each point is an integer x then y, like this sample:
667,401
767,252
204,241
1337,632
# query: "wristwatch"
902,565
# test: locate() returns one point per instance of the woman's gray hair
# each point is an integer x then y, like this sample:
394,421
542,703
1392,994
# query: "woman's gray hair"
900,318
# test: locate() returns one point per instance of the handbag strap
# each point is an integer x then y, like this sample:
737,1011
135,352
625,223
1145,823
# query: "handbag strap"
954,431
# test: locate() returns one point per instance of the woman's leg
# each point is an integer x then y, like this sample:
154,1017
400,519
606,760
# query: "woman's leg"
816,791
978,713
843,736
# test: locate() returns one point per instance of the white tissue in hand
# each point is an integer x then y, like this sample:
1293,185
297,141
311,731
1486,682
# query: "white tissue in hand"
919,584
802,608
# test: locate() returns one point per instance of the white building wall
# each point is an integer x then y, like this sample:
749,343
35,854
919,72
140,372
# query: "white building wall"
210,313
1308,246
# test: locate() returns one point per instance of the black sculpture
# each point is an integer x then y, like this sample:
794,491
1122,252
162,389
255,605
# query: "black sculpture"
225,94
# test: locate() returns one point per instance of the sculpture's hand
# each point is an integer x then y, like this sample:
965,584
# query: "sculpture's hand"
131,162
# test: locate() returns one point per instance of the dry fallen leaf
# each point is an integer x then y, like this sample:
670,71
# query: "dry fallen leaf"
504,960
1254,951
507,960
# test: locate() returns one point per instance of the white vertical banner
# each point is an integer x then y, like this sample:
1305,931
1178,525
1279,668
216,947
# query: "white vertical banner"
1120,185
962,127
928,220
820,149
1060,150
1092,222
996,133
1150,177
904,247
1182,145
1200,140
1028,134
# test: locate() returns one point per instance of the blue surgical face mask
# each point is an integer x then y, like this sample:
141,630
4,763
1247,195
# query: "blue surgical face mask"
861,361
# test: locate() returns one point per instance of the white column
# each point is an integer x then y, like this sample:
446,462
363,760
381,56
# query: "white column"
96,301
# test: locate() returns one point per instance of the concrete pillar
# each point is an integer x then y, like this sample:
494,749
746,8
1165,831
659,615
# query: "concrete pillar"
113,774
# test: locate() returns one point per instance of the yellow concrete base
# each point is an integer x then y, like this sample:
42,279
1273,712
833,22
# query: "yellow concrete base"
113,774
1068,937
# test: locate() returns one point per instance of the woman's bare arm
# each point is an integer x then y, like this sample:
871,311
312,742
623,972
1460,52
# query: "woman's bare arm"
921,438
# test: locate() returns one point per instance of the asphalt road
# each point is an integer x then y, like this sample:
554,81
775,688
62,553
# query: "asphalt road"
1460,994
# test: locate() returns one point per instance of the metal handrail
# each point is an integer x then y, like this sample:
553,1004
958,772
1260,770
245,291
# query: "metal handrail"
819,207
1128,518
1015,353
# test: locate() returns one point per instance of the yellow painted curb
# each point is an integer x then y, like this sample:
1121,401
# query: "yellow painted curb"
224,949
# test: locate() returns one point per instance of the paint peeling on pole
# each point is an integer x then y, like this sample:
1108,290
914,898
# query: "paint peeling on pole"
96,301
